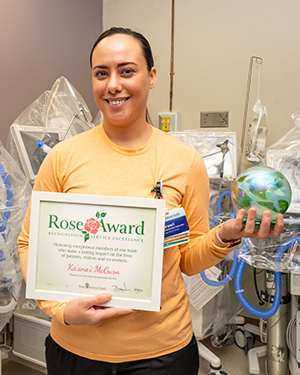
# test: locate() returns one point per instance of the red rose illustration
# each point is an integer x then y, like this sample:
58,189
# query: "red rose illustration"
92,226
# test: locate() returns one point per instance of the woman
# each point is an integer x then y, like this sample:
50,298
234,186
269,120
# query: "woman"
125,156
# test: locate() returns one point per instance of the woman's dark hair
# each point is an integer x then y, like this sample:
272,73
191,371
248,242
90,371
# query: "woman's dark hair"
121,30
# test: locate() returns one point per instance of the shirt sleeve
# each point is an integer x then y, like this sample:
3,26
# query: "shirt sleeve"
201,252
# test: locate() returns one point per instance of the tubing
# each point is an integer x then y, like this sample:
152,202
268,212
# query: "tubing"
230,274
219,208
277,276
9,199
236,251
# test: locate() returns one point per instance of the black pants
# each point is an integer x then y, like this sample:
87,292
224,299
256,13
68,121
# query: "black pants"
181,362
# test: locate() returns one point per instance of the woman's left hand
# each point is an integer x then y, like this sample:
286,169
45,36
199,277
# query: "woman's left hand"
234,229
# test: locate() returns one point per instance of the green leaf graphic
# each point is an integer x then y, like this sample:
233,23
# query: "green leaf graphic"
86,237
103,214
97,215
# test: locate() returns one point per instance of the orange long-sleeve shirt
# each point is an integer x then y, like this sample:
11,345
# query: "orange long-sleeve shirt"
89,163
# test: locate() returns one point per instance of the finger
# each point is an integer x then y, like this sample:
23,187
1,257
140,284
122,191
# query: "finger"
239,219
276,231
250,223
264,229
98,299
112,312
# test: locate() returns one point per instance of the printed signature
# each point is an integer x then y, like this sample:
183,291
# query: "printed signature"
125,289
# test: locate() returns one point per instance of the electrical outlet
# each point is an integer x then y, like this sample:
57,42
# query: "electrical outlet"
169,121
165,123
214,119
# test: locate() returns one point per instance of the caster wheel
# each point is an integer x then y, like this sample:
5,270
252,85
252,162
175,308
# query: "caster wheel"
239,338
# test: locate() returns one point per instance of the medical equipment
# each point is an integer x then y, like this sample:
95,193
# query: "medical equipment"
14,197
254,132
285,259
56,115
218,150
256,136
210,313
29,143
259,254
275,316
284,155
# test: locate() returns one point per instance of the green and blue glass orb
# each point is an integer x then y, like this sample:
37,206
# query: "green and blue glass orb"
264,188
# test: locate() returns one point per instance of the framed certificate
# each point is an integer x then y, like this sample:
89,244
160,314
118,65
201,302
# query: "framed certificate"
82,245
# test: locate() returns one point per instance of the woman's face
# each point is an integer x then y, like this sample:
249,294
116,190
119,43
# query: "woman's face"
121,80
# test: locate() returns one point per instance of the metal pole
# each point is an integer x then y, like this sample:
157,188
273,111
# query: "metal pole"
277,351
172,57
259,61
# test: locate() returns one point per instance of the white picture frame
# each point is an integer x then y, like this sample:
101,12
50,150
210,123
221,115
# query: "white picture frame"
70,255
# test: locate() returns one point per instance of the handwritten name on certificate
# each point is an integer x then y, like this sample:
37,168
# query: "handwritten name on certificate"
85,244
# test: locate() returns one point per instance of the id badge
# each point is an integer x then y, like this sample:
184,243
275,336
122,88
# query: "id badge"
176,228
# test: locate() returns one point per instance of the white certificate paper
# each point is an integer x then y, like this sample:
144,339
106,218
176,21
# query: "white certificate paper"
82,245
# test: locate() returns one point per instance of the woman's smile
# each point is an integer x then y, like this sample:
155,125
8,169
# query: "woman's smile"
117,102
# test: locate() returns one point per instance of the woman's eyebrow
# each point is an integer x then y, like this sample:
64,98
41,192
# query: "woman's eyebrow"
119,65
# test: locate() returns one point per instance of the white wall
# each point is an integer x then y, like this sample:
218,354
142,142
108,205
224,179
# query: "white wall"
214,40
42,40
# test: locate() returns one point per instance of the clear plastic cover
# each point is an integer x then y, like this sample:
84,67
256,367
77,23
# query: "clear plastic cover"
55,115
284,156
217,312
255,144
209,304
55,109
217,148
262,252
14,197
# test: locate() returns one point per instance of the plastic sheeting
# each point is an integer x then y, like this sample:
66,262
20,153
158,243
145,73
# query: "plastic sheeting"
55,108
255,145
55,115
217,148
218,311
283,155
209,305
14,197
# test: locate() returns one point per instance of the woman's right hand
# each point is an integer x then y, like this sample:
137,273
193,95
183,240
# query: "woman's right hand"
89,310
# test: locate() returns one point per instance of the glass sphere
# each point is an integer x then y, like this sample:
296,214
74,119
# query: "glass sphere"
264,188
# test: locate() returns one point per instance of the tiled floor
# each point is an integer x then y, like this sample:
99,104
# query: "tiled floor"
14,368
233,360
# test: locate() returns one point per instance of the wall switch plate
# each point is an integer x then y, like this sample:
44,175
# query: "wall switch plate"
214,119
169,121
